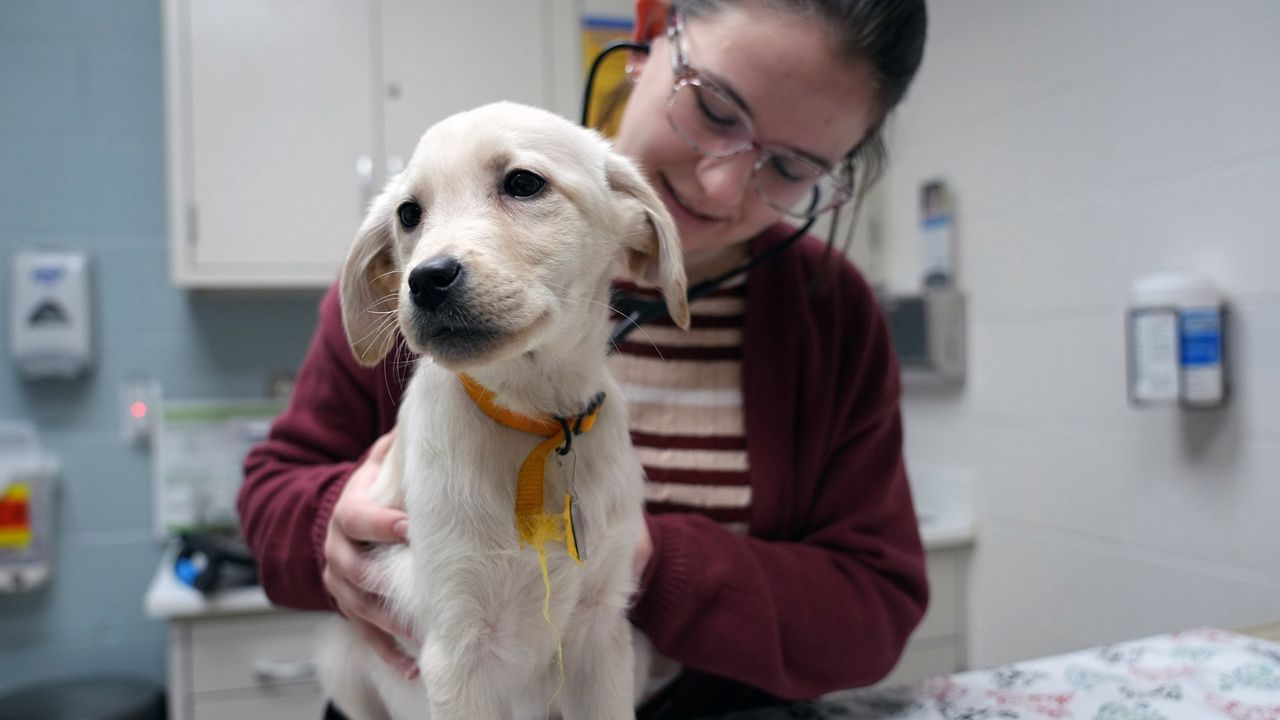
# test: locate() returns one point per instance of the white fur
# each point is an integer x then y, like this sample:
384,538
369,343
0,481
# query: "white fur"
537,277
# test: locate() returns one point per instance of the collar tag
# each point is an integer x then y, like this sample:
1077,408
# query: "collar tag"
572,518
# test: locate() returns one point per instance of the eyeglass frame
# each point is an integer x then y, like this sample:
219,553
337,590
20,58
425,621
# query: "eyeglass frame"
686,75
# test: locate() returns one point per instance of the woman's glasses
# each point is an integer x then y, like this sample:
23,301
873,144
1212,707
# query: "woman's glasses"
716,125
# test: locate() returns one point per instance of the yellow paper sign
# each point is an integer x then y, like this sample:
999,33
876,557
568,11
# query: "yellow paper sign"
608,96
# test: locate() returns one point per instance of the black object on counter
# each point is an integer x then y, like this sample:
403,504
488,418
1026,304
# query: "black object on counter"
212,561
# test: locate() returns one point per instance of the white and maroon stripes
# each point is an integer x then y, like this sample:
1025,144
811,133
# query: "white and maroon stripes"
684,394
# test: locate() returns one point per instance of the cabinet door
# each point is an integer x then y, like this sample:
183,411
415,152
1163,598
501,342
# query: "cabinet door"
443,56
271,116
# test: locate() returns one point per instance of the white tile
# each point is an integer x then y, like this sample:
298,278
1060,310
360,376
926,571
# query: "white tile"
1210,500
1253,356
1070,43
1222,222
1071,149
1055,477
1038,592
1248,100
1207,496
1062,367
1048,259
960,77
1163,114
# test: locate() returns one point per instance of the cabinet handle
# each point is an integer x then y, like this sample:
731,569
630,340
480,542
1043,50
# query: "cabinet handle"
271,672
364,182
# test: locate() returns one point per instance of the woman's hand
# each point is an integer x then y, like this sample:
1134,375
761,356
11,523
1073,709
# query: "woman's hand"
356,523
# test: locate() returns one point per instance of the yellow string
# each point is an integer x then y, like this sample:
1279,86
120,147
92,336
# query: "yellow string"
546,615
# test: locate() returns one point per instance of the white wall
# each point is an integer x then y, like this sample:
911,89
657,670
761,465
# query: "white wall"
1089,142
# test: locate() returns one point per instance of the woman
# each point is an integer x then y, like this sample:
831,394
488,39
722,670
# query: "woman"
782,557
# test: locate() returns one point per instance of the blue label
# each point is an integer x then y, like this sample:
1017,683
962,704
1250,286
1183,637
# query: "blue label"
1201,332
936,221
47,275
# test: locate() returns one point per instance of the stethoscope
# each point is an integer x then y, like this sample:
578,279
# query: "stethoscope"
638,311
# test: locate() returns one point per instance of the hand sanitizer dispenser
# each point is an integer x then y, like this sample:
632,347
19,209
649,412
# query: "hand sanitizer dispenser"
50,314
1177,342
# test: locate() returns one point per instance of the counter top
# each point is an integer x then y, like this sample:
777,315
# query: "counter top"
944,505
169,599
939,532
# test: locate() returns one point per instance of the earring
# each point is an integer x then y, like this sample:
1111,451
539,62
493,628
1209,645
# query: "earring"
632,74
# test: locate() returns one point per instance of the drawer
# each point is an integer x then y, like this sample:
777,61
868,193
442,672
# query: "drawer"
254,651
946,602
303,701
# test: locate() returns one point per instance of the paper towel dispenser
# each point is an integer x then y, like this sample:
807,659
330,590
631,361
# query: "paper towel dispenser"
928,332
50,314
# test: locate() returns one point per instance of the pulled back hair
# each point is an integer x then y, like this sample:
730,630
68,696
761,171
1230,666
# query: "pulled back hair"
886,36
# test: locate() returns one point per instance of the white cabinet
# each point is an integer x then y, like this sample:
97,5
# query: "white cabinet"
284,118
256,666
938,646
232,655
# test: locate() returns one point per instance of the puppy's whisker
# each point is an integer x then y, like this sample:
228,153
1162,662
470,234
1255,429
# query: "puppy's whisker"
389,273
373,335
627,318
383,300
380,332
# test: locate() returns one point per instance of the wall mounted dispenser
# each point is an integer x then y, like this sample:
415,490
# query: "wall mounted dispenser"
49,316
928,332
1176,333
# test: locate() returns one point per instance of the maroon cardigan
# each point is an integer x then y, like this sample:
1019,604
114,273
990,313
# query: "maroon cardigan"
821,596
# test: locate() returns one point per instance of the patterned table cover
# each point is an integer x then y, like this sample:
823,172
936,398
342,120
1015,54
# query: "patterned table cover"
1202,673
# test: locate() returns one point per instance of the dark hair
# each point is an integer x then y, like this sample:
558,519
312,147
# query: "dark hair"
886,36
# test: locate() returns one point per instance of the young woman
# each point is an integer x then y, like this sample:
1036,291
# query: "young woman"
782,557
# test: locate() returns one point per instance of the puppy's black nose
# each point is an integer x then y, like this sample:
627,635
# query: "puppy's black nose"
429,283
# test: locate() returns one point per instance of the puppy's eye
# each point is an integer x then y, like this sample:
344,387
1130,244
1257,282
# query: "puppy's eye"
522,184
410,214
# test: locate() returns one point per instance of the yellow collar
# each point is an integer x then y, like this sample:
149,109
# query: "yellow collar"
534,526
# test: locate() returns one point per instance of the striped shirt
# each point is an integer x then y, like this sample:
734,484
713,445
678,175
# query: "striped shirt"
684,395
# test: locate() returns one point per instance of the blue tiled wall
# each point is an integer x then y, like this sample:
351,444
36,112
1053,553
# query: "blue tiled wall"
82,167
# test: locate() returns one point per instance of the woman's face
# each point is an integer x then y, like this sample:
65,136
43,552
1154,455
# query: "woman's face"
799,94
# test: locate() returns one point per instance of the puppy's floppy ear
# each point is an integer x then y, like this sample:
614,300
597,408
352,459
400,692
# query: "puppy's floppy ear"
369,286
652,244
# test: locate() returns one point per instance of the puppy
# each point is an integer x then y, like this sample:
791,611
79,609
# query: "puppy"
492,255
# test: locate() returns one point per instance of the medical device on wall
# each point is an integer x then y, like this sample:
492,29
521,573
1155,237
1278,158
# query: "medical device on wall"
27,477
928,332
937,235
1176,333
198,450
49,314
